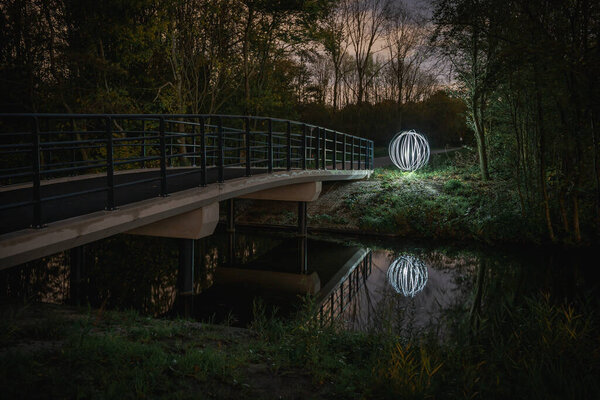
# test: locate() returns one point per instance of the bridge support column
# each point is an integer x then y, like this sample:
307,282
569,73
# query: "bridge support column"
302,218
303,254
302,232
194,224
78,275
231,215
231,230
185,277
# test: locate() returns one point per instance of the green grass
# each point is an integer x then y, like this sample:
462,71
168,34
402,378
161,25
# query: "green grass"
535,349
444,200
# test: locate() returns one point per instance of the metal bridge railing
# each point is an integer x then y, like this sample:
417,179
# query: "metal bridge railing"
346,293
38,147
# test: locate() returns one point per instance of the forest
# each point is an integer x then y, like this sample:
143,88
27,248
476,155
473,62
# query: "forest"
517,80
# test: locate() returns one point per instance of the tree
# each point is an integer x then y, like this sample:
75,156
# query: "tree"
467,36
334,38
365,21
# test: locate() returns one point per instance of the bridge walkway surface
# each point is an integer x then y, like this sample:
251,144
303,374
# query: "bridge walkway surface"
90,200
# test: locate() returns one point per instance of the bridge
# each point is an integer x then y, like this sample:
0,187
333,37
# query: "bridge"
71,179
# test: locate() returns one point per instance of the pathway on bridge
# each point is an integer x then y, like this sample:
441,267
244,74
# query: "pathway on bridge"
59,209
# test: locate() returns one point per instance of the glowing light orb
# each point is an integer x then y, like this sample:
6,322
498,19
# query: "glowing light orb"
409,150
407,275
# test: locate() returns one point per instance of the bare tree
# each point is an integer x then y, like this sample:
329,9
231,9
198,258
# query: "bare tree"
365,22
334,38
411,57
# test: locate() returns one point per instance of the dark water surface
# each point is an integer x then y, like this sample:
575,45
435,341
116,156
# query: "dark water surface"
366,284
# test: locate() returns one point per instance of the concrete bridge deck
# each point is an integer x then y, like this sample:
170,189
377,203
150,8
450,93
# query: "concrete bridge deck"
75,221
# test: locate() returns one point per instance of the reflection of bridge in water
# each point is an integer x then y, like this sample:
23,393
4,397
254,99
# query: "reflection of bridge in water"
344,289
280,269
281,274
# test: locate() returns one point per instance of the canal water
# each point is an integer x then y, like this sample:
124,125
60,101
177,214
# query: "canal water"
362,284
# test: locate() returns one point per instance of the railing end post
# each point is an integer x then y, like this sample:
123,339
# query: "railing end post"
110,167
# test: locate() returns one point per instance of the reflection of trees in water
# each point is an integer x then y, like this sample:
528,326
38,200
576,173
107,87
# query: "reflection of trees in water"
145,279
46,280
250,247
124,271
120,272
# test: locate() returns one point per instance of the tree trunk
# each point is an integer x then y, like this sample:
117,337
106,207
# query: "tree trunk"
476,306
480,136
576,229
336,80
246,61
596,150
563,214
542,169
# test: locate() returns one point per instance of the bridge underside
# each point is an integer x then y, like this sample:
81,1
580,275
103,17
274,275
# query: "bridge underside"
190,212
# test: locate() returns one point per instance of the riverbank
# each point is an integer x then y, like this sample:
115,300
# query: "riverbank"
537,349
444,201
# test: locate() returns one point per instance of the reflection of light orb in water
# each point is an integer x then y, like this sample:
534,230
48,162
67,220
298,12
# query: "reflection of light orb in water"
409,150
408,275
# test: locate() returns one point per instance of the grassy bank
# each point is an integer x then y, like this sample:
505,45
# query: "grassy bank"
533,350
445,200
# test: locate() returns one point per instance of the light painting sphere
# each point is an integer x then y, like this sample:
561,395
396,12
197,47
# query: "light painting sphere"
407,275
409,150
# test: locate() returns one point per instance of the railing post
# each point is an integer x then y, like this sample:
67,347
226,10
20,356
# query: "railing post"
334,158
372,155
163,157
35,155
194,145
221,151
248,148
341,298
352,154
270,146
110,166
344,152
144,143
324,148
366,154
317,148
359,151
170,144
288,156
303,146
202,153
73,137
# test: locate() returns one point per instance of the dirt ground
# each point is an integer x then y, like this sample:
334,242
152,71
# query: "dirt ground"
329,211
